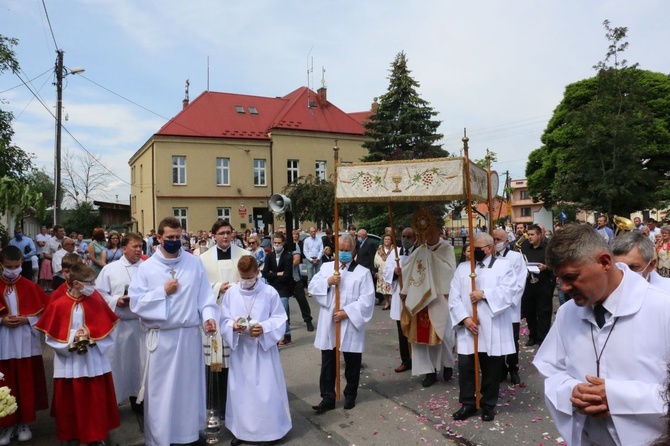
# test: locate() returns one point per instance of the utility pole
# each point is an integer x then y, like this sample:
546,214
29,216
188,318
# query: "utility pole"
58,188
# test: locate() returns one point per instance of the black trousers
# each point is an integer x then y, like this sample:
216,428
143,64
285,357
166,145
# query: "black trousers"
299,294
403,346
536,307
219,390
352,373
490,372
27,270
511,363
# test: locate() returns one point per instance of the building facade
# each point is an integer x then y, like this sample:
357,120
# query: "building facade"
224,155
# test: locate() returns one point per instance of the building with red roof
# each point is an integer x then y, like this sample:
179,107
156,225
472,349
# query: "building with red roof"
225,154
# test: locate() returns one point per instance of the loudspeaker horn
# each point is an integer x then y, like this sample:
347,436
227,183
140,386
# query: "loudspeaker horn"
280,203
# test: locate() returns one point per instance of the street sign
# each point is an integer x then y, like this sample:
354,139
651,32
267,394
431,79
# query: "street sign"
563,216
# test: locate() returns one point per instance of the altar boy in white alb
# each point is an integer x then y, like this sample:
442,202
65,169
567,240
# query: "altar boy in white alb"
252,322
126,354
495,289
605,358
357,299
172,296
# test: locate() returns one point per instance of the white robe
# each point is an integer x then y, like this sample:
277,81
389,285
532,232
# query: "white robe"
22,341
219,272
494,318
72,365
441,265
389,267
520,270
633,364
659,281
127,355
174,400
257,406
357,299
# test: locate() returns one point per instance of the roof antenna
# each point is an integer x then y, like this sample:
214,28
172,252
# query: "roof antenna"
207,73
310,74
323,77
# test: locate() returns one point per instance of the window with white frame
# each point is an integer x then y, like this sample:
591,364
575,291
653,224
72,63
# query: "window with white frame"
321,170
181,214
223,214
178,170
259,172
291,171
222,172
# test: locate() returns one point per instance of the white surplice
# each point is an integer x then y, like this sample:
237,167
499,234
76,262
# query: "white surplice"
389,267
659,281
127,355
22,341
357,299
519,266
257,406
633,364
441,263
174,399
494,318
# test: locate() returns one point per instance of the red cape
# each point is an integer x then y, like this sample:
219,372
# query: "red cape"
29,296
56,320
58,292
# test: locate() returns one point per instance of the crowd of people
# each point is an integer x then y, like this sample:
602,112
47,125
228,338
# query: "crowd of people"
149,320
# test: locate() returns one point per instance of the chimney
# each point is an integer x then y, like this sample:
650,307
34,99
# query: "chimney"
374,106
322,95
184,103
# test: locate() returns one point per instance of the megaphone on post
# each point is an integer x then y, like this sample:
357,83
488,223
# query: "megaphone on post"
280,203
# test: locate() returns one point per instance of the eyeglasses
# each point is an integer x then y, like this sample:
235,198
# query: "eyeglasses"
252,243
224,233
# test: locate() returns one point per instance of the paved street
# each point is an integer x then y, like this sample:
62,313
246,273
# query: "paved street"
391,409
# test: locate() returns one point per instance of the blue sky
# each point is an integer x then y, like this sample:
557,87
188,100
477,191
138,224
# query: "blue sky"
497,68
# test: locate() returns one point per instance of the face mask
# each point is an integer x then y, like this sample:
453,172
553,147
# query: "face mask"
479,254
407,243
279,249
345,256
88,290
645,276
172,246
11,274
360,239
248,284
18,237
500,246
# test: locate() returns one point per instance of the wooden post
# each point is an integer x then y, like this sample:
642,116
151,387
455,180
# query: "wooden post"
489,202
336,230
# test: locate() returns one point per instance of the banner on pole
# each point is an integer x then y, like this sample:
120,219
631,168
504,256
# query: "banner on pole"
438,179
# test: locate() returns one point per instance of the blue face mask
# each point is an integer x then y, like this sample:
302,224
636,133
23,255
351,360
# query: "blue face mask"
18,237
345,256
171,246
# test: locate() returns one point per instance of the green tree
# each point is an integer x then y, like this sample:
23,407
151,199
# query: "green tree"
313,199
402,127
605,147
82,219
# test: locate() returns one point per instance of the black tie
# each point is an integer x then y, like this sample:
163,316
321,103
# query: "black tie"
599,311
405,252
480,264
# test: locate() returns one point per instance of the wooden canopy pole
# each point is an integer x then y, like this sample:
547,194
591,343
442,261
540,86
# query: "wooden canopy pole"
473,275
489,202
395,245
336,230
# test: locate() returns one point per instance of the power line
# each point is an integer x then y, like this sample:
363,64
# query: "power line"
30,80
49,22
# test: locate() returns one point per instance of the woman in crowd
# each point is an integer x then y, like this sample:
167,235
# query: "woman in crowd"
113,250
383,287
255,249
96,248
663,252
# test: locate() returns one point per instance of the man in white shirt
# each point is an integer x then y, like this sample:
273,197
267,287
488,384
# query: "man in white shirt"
313,250
57,262
603,376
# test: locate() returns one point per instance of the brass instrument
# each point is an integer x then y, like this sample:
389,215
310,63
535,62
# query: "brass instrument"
517,245
623,225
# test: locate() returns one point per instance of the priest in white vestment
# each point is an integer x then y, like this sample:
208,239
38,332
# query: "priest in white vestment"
127,353
252,322
173,298
605,358
638,253
495,290
426,279
220,264
357,299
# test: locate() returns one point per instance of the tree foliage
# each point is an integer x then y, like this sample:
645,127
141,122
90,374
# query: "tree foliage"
313,199
605,147
402,126
82,219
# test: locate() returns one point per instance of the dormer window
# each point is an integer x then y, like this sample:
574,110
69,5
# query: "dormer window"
239,109
253,110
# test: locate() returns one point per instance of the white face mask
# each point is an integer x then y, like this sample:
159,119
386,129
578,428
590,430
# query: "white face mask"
500,246
11,274
279,249
645,276
248,284
88,290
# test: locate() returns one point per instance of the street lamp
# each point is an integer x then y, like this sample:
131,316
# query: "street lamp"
61,72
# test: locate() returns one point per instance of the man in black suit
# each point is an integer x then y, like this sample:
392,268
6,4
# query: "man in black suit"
278,272
366,249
